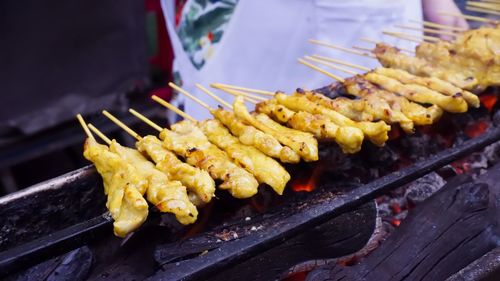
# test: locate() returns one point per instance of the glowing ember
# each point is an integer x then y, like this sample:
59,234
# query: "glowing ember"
395,208
307,184
395,222
488,100
476,129
296,276
394,133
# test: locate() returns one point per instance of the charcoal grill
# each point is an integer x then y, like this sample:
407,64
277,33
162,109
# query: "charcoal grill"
25,242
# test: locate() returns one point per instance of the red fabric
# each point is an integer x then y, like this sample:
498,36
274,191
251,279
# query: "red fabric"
164,57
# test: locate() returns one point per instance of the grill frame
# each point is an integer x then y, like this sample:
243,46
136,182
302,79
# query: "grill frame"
230,252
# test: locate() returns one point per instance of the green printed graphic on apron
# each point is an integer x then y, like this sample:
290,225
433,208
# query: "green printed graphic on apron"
201,27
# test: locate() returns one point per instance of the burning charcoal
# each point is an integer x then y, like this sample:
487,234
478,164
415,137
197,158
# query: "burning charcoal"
424,187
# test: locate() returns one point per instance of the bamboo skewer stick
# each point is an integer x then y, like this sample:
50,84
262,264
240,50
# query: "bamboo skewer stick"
437,25
327,73
481,10
417,39
336,67
84,126
428,30
173,108
241,93
146,120
352,51
214,96
352,65
121,125
467,17
244,89
485,6
330,65
99,134
361,48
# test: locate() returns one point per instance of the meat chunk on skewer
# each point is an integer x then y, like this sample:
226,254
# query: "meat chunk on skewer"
302,143
417,93
432,83
391,57
373,105
348,138
168,196
265,169
420,115
249,135
376,132
122,185
195,179
188,141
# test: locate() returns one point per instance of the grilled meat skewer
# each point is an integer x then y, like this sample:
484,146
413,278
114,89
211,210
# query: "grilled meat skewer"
348,138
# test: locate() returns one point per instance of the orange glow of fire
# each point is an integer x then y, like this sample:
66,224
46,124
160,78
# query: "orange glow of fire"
296,276
395,222
394,133
308,184
476,129
488,100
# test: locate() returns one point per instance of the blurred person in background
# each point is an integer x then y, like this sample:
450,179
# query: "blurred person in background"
256,43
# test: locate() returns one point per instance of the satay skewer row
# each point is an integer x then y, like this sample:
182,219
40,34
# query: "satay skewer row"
121,181
302,143
349,139
264,141
250,135
169,196
189,142
433,83
367,108
419,115
417,89
265,169
197,181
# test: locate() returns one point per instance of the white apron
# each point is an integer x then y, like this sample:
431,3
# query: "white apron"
264,39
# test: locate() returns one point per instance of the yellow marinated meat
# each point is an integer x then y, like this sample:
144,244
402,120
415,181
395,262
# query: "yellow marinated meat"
349,139
168,196
417,93
265,169
195,179
249,135
391,57
432,83
122,183
420,115
188,141
475,54
376,132
307,149
371,105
